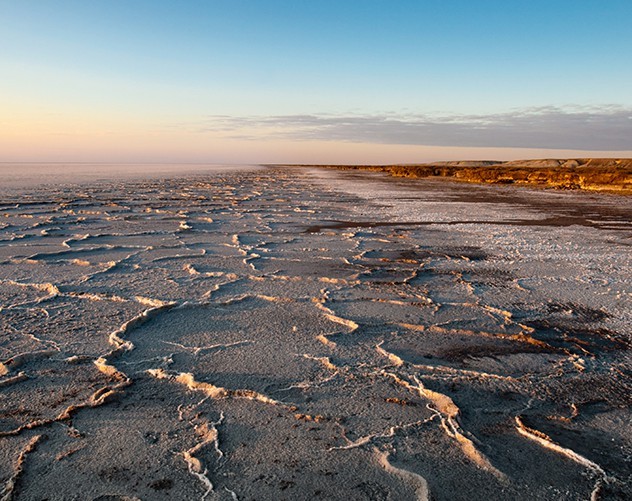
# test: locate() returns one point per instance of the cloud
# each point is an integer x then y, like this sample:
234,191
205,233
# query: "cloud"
606,128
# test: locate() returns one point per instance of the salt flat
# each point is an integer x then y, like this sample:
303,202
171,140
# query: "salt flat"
300,334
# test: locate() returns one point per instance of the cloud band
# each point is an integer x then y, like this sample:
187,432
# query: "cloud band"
607,128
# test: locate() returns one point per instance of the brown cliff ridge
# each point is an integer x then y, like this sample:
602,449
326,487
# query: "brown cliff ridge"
594,174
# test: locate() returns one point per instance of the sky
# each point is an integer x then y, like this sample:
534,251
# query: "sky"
314,81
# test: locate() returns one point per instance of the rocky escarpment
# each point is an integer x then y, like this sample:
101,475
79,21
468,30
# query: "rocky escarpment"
596,174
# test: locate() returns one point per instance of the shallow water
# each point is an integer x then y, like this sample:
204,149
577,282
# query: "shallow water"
295,334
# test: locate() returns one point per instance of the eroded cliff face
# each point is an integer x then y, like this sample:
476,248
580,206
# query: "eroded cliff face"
595,174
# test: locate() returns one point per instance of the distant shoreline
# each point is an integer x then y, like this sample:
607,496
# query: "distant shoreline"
609,175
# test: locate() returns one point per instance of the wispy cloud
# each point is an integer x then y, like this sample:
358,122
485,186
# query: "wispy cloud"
581,128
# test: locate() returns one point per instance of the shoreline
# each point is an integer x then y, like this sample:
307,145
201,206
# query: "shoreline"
603,175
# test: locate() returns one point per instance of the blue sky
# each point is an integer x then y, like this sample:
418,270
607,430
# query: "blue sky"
235,75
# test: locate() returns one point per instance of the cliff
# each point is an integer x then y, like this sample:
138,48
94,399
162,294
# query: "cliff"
595,174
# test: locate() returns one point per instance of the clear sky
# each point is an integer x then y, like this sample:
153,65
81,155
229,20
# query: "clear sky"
314,80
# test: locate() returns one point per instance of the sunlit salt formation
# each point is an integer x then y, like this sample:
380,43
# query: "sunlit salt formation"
277,333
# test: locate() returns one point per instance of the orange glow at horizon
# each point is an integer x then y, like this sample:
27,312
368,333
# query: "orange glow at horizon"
49,136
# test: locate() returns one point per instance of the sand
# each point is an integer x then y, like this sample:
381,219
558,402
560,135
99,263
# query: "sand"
313,334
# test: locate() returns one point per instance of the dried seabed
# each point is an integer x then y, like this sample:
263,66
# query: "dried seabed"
230,338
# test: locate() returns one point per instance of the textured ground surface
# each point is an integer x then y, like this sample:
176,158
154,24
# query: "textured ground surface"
306,334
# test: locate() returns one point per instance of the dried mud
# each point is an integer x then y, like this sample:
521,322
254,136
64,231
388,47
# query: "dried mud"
312,334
